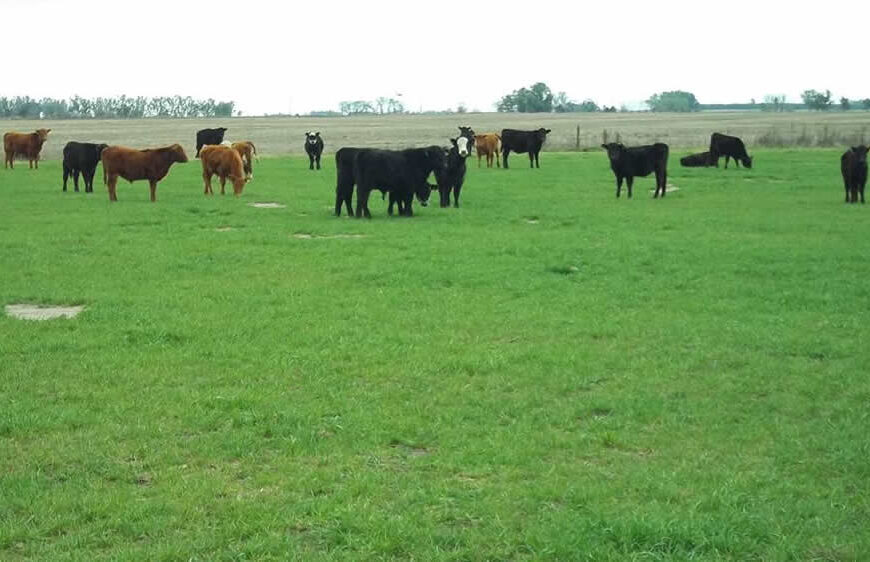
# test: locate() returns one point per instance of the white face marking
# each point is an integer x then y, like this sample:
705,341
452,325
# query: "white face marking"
462,145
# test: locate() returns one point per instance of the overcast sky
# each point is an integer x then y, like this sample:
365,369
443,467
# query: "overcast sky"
287,56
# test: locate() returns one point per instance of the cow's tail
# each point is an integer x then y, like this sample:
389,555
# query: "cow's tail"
497,145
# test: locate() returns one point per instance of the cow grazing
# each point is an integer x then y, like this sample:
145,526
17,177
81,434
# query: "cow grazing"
150,164
523,141
24,145
700,160
729,147
488,145
225,162
853,165
209,136
248,152
314,148
81,158
403,173
452,176
627,163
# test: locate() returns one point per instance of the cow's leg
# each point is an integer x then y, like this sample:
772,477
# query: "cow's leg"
618,186
310,161
88,175
726,161
497,158
531,159
662,181
362,197
861,191
846,186
456,190
318,161
223,181
65,176
504,155
339,200
538,160
479,155
392,201
206,180
112,184
629,181
153,185
76,180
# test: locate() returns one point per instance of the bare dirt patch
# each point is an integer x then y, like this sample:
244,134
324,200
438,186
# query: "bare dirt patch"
38,312
267,205
307,236
669,188
224,228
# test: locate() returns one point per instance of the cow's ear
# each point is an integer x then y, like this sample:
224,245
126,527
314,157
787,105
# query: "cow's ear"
604,146
549,131
317,134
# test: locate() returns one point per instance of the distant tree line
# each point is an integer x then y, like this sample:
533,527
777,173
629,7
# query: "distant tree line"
381,106
25,107
538,98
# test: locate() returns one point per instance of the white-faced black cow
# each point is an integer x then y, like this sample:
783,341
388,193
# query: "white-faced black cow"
627,163
699,160
209,136
729,147
81,158
853,165
402,173
452,176
523,141
468,133
314,148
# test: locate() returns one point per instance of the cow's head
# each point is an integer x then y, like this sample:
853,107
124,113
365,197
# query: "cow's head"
178,154
422,192
614,150
542,133
462,146
860,153
747,162
221,130
100,148
467,133
42,134
312,138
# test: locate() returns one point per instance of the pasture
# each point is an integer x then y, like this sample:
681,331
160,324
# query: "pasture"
546,373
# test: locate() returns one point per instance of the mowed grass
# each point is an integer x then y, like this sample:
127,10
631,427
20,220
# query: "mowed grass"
545,373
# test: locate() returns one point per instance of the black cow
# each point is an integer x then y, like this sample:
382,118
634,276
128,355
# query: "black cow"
81,157
403,173
344,159
453,174
468,133
638,161
209,136
314,148
729,147
523,141
702,159
853,165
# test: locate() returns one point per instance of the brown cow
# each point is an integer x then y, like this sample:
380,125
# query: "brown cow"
25,145
248,152
226,163
488,145
151,164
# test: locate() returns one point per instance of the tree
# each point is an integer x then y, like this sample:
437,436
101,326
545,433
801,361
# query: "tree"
356,107
537,98
817,100
866,103
845,104
677,101
774,102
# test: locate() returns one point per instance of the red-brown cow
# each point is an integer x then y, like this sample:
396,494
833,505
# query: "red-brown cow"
487,145
151,164
226,163
24,145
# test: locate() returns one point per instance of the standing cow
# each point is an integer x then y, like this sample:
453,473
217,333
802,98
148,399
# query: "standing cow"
403,173
226,163
248,152
209,136
314,148
488,145
24,145
81,157
638,161
452,176
523,141
729,147
853,165
151,164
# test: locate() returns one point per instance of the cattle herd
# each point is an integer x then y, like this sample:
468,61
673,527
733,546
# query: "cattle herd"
401,174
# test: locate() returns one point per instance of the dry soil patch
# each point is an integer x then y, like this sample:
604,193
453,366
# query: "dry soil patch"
37,312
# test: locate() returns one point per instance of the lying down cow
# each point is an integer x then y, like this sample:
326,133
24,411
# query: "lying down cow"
700,160
627,163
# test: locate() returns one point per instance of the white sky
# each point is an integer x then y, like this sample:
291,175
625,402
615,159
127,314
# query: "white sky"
288,56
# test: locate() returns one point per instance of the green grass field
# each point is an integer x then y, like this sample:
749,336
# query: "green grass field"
546,373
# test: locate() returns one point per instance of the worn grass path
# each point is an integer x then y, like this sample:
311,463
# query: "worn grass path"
544,373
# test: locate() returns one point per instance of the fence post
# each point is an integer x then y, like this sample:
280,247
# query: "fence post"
578,137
